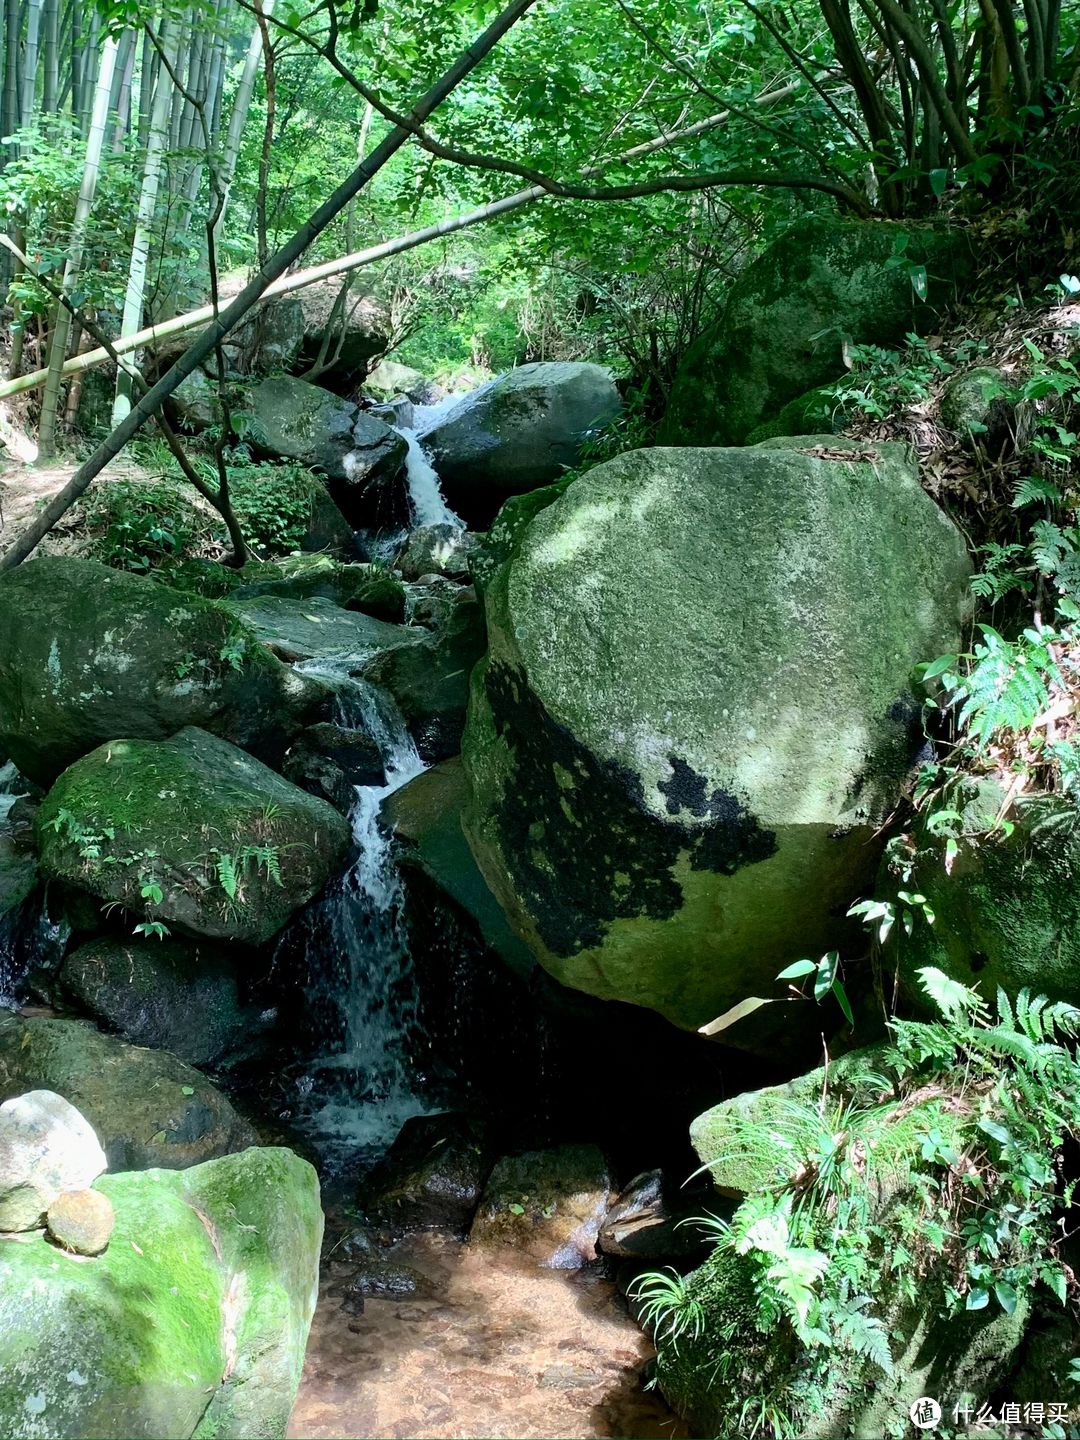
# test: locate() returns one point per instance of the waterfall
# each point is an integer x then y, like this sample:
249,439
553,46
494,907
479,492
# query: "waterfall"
363,1086
425,494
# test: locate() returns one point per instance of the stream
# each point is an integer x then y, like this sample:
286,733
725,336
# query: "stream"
472,1343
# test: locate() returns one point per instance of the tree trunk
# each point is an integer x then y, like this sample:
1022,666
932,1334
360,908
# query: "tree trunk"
144,219
61,330
50,83
241,104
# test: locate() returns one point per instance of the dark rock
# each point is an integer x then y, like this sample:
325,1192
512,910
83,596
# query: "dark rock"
330,761
175,995
385,1280
316,628
648,1222
429,678
436,550
432,1176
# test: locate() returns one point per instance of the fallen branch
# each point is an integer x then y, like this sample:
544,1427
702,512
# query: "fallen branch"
181,324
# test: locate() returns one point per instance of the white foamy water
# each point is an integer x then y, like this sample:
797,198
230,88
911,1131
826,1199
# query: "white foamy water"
364,1087
429,506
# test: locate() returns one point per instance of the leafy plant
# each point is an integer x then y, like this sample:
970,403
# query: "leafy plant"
668,1308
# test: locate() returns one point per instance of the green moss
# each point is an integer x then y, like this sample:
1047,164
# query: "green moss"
189,1323
824,282
172,814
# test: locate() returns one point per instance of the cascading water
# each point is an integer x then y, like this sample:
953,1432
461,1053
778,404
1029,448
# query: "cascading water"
425,493
362,1087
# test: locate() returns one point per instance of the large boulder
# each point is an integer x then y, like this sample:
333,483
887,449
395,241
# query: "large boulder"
88,654
46,1148
145,1106
521,430
193,1322
823,285
697,709
176,995
292,420
1007,909
344,329
192,833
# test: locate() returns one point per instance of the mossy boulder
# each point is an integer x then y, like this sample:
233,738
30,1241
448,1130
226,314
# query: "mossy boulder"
975,405
368,588
520,431
823,284
194,1321
1008,911
176,995
718,1134
90,654
771,1142
285,508
714,1377
812,413
146,1106
191,832
697,708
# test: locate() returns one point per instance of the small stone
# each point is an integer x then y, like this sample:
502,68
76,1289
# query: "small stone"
46,1146
81,1221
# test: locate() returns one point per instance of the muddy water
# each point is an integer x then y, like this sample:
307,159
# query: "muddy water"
490,1345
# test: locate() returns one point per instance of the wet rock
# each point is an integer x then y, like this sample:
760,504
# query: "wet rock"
436,550
317,628
425,816
46,1147
648,1222
330,761
18,874
429,677
521,430
192,833
371,491
432,1176
81,1221
548,1204
175,995
90,654
385,1280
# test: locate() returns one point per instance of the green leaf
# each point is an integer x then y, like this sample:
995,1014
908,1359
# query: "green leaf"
977,1299
995,1131
919,283
826,974
187,1089
1006,1296
844,1003
938,180
798,970
516,1209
